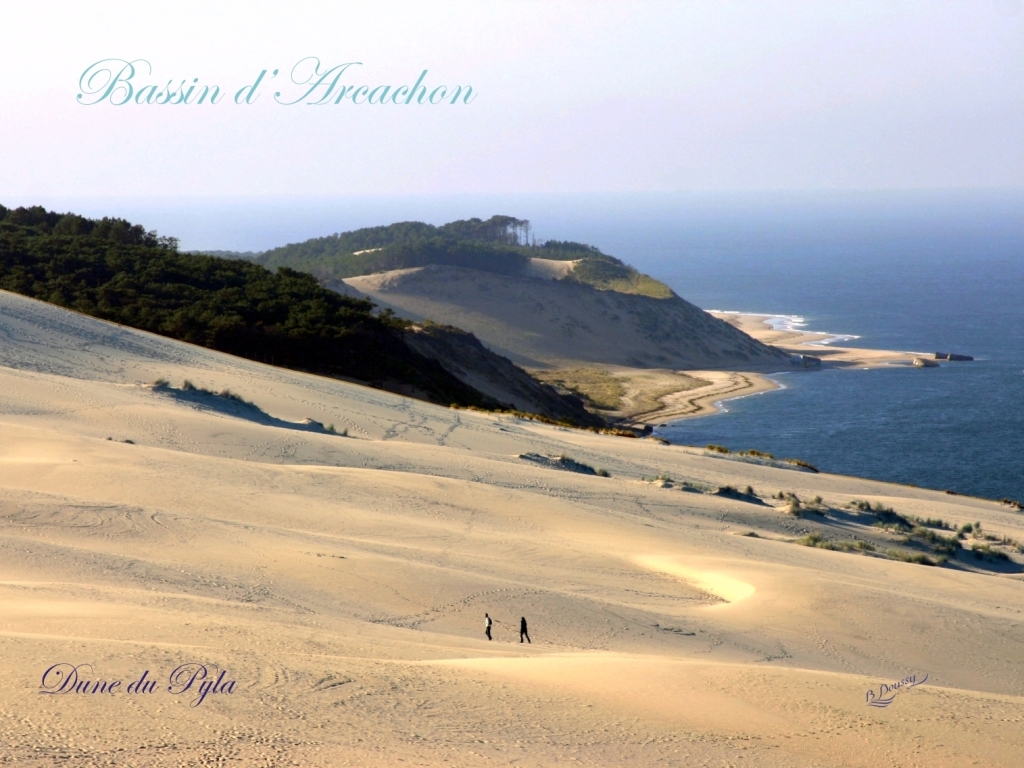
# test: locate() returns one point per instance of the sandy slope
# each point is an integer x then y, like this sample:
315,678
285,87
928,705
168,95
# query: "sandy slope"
541,323
342,581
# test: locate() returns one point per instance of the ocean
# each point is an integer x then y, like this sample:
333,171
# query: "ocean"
916,272
921,271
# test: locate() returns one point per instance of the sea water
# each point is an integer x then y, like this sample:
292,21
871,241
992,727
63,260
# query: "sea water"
927,273
939,271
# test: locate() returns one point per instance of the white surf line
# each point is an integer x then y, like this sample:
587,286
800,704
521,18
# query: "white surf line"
797,324
794,323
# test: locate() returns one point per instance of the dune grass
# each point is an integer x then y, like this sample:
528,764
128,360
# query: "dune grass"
820,542
607,273
596,387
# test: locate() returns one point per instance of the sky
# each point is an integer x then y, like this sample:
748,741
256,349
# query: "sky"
568,98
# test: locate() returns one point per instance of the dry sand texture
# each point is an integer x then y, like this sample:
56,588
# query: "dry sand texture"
547,323
342,582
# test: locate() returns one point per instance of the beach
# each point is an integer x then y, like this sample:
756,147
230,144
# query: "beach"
786,332
339,578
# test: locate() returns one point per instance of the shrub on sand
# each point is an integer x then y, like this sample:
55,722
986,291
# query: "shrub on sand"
910,557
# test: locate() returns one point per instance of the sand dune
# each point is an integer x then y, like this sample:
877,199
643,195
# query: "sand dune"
542,323
342,582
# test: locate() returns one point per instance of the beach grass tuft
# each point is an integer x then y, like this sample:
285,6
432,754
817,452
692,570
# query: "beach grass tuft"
909,557
986,553
890,520
818,541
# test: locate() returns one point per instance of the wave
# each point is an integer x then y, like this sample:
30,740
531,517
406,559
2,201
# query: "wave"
793,323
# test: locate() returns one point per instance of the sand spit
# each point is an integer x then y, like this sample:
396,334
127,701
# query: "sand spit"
648,396
830,348
722,386
340,584
687,403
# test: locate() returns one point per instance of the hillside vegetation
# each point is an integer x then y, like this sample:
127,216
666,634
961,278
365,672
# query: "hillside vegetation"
500,245
117,271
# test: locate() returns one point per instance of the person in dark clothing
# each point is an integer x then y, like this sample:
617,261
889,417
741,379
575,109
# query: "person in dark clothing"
487,625
522,631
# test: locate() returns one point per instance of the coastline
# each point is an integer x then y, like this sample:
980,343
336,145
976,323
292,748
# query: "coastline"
788,336
782,331
703,400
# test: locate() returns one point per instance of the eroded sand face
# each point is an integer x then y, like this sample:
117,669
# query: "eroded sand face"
342,582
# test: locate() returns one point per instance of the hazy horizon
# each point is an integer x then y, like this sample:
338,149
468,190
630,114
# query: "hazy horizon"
256,223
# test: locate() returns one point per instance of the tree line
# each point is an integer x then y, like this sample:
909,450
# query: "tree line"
500,244
119,271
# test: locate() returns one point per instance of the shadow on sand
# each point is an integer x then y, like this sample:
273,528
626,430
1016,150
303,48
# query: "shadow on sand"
228,403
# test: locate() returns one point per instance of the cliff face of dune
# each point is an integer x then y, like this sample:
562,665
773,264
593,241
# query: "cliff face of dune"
464,357
540,305
541,323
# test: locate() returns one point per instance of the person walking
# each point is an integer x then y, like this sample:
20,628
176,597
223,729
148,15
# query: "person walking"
522,631
487,625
